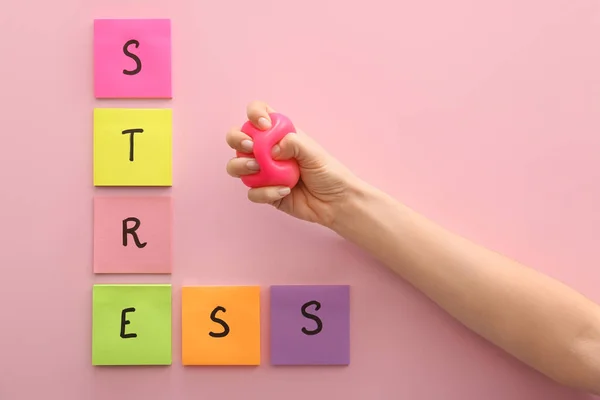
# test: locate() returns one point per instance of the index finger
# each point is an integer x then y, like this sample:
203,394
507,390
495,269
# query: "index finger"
258,114
239,141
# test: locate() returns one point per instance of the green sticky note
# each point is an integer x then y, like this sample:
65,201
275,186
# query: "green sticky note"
131,325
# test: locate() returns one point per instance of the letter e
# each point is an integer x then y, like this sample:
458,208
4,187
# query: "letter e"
125,321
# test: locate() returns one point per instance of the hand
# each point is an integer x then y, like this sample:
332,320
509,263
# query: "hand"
324,183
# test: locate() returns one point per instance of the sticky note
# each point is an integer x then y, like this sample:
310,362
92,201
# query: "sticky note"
131,325
220,325
132,147
310,325
132,58
132,234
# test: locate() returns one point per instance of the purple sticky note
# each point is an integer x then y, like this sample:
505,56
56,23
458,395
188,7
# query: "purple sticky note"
310,325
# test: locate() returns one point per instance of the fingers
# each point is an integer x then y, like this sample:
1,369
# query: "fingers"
268,194
258,114
298,146
241,166
239,141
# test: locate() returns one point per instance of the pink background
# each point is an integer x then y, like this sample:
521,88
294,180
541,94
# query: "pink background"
156,219
481,114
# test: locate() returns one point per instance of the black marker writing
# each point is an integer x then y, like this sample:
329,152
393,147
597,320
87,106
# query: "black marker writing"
138,62
219,321
312,316
125,321
131,132
132,232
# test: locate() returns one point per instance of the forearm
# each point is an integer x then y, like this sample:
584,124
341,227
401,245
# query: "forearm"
535,318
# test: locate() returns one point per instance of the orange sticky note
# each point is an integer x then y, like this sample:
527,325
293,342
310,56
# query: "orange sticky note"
220,325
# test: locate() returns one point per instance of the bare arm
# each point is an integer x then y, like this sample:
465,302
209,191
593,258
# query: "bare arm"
540,321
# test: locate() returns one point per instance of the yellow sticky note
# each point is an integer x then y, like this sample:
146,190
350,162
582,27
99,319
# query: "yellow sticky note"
220,325
132,147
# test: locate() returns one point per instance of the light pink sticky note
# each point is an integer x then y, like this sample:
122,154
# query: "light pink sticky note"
132,235
132,58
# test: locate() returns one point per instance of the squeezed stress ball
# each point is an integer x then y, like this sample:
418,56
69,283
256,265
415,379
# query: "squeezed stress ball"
272,172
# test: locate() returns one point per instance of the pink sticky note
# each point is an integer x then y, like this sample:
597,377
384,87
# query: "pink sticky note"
132,58
132,235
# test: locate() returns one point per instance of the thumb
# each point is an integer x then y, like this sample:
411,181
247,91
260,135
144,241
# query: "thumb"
298,146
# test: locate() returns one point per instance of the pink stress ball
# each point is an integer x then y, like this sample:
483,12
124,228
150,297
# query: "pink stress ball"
272,172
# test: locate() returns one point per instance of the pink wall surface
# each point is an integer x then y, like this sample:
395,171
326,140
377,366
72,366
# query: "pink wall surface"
483,115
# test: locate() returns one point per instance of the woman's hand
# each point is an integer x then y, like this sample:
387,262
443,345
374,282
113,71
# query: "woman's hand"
324,185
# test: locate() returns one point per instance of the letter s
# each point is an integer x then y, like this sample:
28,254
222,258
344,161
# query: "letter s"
220,322
138,62
313,317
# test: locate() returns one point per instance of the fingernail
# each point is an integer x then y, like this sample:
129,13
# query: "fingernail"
264,123
253,165
247,145
284,191
276,150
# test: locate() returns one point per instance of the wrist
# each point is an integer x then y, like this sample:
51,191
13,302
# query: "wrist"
355,200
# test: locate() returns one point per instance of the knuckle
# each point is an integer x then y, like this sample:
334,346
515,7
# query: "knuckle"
230,138
254,103
252,196
257,195
232,133
232,165
256,107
